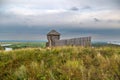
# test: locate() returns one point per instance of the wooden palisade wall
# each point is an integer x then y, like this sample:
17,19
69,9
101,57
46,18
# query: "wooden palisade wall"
83,41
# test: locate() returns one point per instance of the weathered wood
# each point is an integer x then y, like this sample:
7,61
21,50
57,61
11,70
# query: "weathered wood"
53,40
84,41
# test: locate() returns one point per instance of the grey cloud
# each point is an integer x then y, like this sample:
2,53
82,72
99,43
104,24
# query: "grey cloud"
74,9
86,7
80,8
117,3
113,21
118,21
96,19
81,23
37,33
98,4
109,21
69,23
65,3
97,34
1,2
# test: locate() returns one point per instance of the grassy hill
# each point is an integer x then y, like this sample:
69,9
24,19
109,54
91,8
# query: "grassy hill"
61,63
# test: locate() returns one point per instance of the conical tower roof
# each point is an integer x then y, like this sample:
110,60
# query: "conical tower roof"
53,32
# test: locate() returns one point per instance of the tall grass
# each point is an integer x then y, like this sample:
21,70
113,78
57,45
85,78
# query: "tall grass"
61,63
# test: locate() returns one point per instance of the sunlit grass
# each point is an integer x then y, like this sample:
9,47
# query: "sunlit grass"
61,63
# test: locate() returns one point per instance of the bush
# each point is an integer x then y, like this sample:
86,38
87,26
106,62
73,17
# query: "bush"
1,48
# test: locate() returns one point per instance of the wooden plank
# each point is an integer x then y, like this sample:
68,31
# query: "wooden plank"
83,41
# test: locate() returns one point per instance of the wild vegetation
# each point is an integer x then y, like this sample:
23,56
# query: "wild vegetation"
1,48
19,45
61,63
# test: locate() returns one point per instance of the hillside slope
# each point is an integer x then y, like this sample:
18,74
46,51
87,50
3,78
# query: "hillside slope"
61,63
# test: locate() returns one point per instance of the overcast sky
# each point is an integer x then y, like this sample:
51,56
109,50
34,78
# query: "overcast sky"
33,19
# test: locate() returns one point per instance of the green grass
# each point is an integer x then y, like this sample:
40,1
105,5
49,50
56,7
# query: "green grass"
19,45
61,63
28,45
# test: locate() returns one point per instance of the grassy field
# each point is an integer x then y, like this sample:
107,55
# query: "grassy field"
19,45
61,63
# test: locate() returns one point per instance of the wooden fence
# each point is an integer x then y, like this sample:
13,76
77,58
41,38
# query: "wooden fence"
83,41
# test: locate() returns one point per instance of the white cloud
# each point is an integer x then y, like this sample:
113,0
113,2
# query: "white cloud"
64,4
28,11
62,17
66,14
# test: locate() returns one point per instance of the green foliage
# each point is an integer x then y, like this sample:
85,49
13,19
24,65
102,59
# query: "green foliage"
20,45
61,63
1,48
28,45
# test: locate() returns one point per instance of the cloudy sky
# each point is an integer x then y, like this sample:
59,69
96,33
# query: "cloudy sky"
33,19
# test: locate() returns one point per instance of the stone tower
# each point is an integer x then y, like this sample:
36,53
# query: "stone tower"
52,36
